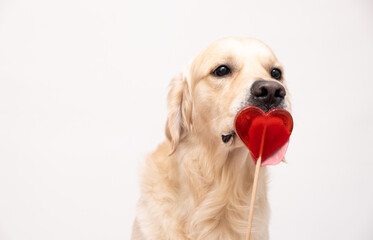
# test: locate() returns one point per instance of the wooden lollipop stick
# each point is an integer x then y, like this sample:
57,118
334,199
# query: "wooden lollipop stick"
253,195
255,184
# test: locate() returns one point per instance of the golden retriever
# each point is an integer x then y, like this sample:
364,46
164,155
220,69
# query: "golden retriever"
197,184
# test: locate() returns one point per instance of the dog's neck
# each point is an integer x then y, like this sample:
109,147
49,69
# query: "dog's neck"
220,180
213,164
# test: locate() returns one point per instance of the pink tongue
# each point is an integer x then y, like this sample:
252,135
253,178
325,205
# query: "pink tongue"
277,156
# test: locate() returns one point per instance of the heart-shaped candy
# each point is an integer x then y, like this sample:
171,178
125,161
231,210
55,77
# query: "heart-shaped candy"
264,134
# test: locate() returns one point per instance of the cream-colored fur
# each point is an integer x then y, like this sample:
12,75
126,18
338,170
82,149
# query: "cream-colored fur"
194,186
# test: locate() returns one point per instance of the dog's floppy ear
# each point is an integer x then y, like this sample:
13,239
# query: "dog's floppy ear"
180,109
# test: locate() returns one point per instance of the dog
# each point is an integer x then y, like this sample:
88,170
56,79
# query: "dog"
197,184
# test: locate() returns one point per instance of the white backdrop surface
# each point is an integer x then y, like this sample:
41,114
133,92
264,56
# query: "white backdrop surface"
83,89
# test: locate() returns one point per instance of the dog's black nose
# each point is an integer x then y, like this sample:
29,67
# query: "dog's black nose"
267,94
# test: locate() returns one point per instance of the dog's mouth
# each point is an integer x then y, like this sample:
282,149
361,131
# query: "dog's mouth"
266,107
228,137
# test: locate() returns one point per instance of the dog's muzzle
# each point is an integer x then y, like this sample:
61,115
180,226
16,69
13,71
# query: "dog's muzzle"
265,95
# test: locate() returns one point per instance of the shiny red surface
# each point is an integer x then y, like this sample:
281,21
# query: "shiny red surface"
250,124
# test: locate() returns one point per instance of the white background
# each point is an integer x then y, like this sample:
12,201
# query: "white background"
83,89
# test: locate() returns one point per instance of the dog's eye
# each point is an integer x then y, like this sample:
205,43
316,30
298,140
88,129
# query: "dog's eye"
276,73
221,71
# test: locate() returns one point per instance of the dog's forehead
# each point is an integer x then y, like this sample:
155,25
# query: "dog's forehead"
234,51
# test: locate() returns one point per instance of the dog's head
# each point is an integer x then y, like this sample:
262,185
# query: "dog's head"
229,74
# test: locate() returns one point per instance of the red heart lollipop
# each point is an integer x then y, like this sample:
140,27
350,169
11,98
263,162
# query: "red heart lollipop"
264,134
